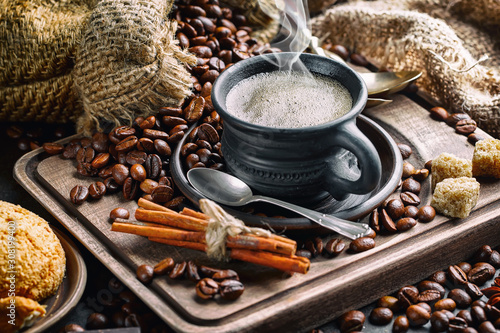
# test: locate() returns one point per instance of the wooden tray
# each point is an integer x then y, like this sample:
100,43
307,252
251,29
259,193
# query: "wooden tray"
274,301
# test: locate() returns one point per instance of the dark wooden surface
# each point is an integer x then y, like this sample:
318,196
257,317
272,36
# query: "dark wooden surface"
273,301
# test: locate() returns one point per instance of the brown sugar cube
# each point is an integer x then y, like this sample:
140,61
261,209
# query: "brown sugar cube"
449,166
455,197
486,159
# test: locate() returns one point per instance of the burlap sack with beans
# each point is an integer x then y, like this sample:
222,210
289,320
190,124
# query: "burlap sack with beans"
94,61
454,42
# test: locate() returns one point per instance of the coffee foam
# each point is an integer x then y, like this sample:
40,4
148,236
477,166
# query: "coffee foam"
285,99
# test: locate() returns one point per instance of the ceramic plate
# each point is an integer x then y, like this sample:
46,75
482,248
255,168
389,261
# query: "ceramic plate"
352,208
69,292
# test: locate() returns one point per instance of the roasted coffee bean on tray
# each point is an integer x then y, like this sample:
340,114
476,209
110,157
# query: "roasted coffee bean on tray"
446,301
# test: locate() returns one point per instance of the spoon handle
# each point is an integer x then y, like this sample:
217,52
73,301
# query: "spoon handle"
346,228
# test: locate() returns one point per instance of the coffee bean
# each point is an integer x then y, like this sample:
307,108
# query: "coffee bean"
111,185
148,185
439,321
456,275
138,172
428,296
178,270
420,174
405,223
465,266
164,267
445,304
162,193
431,285
53,148
439,113
380,316
454,118
475,137
481,273
395,208
405,150
409,199
478,314
410,211
362,244
465,126
225,274
386,221
487,327
97,190
207,288
408,170
231,289
461,298
407,296
390,302
78,194
304,253
417,316
97,321
358,59
120,172
400,325
334,247
457,325
100,142
153,166
126,144
119,213
145,273
428,165
466,315
473,290
130,189
351,321
483,254
374,220
439,277
411,185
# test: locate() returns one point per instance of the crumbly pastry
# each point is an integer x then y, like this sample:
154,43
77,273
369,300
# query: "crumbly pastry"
18,312
32,260
448,165
486,158
455,197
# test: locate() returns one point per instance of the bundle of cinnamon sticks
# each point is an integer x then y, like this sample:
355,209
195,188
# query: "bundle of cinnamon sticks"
187,229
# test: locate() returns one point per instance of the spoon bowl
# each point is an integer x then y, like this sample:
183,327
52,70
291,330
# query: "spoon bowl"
231,191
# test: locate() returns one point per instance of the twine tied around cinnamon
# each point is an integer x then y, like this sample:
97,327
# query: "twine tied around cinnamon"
221,226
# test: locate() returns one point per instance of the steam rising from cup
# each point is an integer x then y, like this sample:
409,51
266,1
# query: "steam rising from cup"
295,32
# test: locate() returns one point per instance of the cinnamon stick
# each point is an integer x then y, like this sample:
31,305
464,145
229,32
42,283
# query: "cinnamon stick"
190,212
153,206
172,219
159,232
179,243
241,241
287,264
248,241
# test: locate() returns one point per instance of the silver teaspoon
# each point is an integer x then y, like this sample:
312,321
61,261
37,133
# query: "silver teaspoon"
231,191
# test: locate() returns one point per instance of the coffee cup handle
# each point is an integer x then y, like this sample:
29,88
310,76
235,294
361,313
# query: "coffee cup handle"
351,138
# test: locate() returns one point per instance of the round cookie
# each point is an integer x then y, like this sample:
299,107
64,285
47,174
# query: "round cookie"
32,260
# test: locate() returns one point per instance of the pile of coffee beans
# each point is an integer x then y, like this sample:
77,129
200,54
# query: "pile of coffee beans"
134,159
210,282
30,136
461,298
462,123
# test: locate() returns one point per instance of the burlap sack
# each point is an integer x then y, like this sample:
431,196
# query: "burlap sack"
129,63
95,61
38,41
447,40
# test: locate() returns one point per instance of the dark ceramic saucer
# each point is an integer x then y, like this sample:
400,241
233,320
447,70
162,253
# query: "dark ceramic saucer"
352,208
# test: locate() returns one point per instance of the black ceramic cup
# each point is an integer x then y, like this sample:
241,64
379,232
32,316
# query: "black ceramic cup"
298,164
